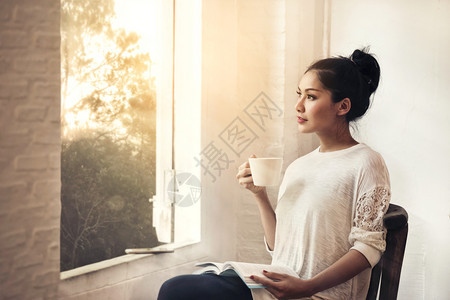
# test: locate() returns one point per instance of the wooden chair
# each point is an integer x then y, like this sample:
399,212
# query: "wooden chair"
390,264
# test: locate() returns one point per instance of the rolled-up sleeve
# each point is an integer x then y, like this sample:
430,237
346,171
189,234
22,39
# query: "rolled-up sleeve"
368,235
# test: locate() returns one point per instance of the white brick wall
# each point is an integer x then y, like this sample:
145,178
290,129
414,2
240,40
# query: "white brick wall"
29,149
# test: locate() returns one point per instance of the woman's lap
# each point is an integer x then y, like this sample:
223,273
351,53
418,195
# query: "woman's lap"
204,287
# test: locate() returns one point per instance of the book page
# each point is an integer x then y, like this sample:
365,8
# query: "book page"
245,270
257,269
209,267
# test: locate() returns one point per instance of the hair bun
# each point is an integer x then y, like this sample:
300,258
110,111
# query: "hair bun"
368,66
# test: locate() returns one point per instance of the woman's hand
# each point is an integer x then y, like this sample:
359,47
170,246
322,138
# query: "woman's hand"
246,180
284,286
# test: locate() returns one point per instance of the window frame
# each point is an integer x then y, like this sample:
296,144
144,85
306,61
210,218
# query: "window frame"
185,251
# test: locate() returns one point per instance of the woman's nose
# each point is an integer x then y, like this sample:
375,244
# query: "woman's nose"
300,107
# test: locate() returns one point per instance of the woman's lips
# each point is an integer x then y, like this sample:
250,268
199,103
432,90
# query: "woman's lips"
300,120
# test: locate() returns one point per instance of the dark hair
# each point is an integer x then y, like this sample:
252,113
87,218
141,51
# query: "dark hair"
355,77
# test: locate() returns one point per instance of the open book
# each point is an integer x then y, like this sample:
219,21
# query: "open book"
243,270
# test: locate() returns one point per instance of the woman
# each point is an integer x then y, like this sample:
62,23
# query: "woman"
327,225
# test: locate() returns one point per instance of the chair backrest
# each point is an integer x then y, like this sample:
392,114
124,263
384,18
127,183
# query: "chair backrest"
390,264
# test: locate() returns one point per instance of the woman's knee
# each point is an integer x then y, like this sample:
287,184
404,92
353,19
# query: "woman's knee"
203,287
168,290
175,288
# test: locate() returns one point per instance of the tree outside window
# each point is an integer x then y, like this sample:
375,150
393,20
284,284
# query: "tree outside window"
108,160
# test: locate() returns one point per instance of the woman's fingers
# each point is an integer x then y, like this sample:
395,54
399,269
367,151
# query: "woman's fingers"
261,280
245,165
270,279
274,276
246,181
244,172
244,175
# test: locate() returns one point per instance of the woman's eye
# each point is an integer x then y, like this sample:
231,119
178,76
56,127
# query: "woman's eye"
310,97
298,93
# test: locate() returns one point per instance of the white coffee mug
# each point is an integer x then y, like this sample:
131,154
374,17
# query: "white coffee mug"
266,170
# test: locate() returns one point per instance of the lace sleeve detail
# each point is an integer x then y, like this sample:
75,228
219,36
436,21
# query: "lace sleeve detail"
370,209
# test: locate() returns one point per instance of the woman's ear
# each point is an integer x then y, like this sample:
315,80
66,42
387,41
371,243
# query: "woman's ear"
343,107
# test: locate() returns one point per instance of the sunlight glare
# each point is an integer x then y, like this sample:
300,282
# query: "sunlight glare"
139,16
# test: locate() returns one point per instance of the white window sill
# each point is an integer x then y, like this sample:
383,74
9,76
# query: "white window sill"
121,269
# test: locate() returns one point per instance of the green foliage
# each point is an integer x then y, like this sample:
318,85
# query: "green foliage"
105,208
108,166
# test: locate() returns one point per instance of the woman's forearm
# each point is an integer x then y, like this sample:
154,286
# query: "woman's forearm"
268,218
347,267
284,286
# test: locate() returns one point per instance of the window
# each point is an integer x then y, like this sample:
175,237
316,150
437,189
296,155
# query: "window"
118,122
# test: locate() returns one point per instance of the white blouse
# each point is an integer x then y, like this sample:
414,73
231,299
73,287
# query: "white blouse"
329,203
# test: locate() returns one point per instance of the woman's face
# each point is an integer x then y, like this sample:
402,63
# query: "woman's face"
316,111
